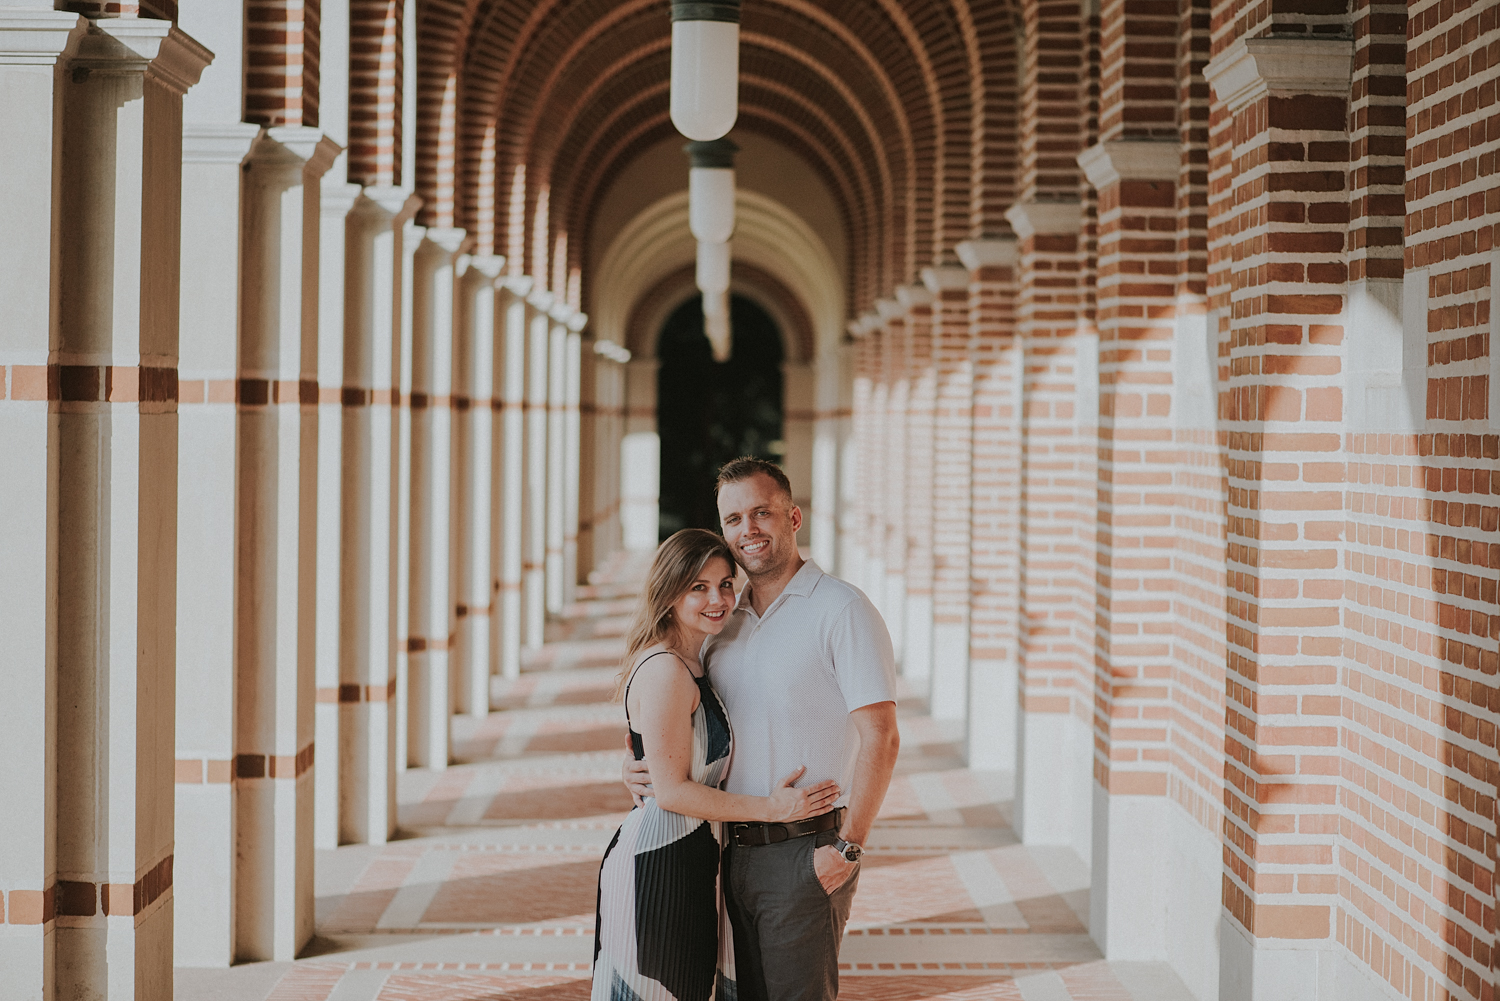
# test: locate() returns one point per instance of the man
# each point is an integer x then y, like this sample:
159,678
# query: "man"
806,671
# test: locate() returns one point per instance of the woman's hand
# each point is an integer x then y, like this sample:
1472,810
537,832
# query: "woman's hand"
787,803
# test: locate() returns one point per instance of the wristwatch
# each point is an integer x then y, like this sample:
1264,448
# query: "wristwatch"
848,849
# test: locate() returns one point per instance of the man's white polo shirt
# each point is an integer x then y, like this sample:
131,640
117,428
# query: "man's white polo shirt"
790,679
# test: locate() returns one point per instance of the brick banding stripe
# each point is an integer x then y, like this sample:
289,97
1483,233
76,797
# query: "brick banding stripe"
423,644
260,392
465,611
274,766
353,396
56,383
352,692
82,899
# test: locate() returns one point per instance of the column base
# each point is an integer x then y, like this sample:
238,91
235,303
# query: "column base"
992,715
1257,970
950,671
1054,781
916,646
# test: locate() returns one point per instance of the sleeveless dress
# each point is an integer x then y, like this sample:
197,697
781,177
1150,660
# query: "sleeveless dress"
661,931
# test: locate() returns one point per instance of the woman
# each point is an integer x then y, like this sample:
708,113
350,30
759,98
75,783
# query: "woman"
659,929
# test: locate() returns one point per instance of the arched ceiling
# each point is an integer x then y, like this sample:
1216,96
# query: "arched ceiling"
903,112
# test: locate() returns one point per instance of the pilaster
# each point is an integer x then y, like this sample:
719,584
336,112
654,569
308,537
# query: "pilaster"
430,628
206,825
507,534
921,404
534,504
890,400
277,476
356,703
31,45
474,449
995,515
557,456
952,489
114,505
573,466
1282,409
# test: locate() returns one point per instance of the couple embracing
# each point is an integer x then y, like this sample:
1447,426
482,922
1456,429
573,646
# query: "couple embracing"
763,737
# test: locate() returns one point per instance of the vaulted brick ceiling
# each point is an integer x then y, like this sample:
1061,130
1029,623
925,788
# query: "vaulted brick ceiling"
905,110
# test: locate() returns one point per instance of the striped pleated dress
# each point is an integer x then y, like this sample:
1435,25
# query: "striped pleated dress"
661,933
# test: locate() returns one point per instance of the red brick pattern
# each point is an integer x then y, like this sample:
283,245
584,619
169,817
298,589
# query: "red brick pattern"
377,67
281,62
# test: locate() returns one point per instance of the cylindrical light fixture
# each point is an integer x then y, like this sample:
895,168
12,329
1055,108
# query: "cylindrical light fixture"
711,189
705,67
713,267
716,324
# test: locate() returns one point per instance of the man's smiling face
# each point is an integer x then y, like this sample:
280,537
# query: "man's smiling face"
760,523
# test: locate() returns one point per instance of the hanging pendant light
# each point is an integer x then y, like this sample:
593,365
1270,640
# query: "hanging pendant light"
705,67
711,189
716,324
713,267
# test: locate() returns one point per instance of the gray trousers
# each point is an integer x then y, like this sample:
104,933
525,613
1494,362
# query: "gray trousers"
786,929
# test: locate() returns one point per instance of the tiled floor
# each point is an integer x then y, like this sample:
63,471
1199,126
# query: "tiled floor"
490,892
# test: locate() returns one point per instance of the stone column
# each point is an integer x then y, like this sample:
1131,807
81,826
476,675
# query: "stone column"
507,521
952,483
603,434
829,431
557,456
921,402
409,239
799,403
356,714
431,623
995,559
205,858
534,503
31,44
640,458
473,450
277,476
113,506
214,144
337,199
572,456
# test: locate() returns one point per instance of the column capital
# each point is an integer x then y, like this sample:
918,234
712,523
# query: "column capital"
398,203
541,300
996,252
577,322
945,278
117,46
887,310
295,145
912,296
1029,219
338,198
446,238
617,353
517,285
487,266
38,37
1254,67
1131,160
217,142
864,324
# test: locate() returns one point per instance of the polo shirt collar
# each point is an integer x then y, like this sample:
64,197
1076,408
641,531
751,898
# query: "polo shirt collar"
801,584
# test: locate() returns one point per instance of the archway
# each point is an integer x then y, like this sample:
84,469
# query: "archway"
709,412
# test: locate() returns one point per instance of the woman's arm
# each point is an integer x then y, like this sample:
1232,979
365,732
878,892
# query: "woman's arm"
663,717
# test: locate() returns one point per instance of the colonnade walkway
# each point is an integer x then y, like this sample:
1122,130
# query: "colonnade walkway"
489,890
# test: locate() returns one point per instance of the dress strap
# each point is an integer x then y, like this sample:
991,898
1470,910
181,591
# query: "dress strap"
637,668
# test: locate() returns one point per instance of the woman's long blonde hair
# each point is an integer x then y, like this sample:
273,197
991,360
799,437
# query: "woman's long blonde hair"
678,563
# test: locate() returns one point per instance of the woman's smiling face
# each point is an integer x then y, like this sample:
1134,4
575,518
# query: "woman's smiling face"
706,603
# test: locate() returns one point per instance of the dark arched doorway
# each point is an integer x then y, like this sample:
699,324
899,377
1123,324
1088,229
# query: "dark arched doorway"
709,412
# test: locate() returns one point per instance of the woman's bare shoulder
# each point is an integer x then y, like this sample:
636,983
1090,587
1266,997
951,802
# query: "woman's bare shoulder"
664,677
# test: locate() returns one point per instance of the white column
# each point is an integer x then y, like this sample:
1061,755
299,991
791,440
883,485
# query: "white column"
557,457
409,240
356,722
507,522
31,43
572,456
276,629
603,428
205,859
534,507
431,617
336,201
116,338
473,448
799,396
822,516
640,458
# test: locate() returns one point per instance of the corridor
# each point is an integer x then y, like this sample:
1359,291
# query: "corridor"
487,892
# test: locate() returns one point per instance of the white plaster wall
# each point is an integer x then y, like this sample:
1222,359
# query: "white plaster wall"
1054,787
1193,878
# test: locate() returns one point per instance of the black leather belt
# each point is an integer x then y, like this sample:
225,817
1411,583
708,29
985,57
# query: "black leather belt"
755,835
